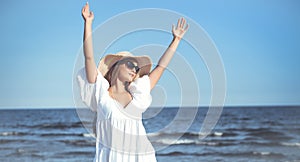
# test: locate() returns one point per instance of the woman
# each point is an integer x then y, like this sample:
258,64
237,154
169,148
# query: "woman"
119,91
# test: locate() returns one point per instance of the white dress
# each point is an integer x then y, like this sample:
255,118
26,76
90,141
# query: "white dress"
121,136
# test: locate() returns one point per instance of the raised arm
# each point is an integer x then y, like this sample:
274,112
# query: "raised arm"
90,65
164,60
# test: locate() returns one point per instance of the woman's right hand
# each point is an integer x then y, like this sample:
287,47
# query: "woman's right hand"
87,15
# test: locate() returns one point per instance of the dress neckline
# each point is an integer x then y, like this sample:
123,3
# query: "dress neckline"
119,103
116,101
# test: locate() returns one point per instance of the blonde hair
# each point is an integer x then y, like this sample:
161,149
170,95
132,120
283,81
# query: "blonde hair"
111,74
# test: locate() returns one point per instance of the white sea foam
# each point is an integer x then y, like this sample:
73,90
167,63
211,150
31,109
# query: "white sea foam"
262,153
297,144
153,134
218,133
8,133
89,135
173,141
5,133
185,141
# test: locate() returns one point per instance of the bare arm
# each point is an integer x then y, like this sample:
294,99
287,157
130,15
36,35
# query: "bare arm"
163,62
90,65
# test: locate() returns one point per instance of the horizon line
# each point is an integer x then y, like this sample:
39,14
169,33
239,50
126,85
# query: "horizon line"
156,107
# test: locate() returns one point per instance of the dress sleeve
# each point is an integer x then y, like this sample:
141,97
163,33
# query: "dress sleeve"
140,90
91,93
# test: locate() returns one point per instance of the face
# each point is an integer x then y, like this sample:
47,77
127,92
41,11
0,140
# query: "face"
128,70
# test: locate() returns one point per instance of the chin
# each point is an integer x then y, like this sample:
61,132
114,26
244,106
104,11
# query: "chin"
131,78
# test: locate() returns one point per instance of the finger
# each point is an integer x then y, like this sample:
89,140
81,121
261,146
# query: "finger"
186,27
87,7
84,8
173,27
178,24
182,23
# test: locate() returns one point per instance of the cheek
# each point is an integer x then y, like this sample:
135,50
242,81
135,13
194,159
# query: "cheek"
122,69
123,72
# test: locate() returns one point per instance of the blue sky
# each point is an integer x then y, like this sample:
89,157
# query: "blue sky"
258,41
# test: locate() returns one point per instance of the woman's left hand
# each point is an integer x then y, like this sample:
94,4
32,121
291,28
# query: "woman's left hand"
180,29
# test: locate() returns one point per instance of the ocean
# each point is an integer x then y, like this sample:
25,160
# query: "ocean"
241,134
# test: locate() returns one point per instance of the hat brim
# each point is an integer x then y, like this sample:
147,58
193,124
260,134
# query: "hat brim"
144,62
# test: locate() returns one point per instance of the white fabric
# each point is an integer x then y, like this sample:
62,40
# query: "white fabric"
121,135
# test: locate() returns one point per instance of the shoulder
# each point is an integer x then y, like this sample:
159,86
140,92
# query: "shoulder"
140,90
141,84
142,79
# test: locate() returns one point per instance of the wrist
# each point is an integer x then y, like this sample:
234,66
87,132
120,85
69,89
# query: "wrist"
88,22
176,38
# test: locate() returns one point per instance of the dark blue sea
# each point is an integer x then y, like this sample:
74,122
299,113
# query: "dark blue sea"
241,134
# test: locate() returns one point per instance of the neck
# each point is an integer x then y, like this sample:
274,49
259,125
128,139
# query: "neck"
118,87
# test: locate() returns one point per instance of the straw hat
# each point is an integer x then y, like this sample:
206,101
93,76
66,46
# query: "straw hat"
144,62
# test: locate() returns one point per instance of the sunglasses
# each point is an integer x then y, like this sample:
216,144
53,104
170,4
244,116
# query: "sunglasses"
130,65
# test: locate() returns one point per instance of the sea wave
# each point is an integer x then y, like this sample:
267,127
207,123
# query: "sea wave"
179,153
236,154
89,135
60,134
58,125
296,144
13,133
190,142
191,134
